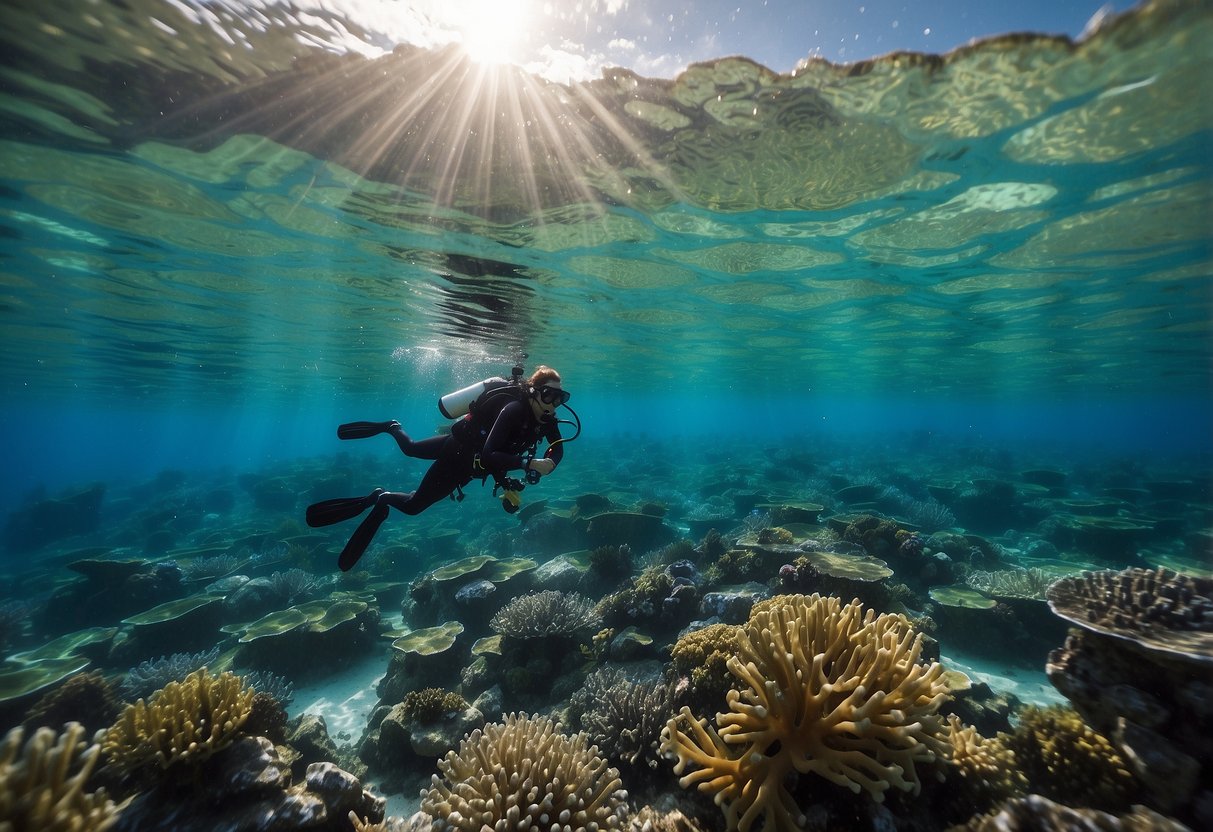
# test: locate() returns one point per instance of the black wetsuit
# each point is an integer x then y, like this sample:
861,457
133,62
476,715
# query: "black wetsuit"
455,456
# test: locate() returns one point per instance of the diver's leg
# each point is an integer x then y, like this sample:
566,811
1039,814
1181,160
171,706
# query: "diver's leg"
425,449
450,471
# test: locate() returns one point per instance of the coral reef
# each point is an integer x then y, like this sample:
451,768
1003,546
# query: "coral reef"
700,660
149,676
263,681
1012,583
826,690
183,722
294,585
431,704
624,716
1065,760
42,784
86,698
986,767
1034,813
547,613
1157,608
524,772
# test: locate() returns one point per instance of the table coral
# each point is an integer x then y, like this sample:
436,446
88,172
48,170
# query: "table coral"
826,689
524,774
183,721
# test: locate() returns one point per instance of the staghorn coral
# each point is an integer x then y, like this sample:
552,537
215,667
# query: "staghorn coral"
1065,760
986,766
294,585
431,704
547,613
524,773
38,789
1015,582
148,677
184,721
826,690
623,716
271,684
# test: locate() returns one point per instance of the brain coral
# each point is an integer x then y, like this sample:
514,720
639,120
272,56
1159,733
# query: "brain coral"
525,774
547,613
826,690
183,721
38,789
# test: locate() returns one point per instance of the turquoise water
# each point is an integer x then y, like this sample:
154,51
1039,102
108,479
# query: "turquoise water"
909,269
1011,242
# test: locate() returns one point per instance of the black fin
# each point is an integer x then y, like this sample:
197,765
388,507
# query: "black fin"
361,538
361,430
344,508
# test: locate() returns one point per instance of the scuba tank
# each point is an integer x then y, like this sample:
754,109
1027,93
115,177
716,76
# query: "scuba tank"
455,405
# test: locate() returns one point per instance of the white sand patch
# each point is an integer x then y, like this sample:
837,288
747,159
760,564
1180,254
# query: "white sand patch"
1030,686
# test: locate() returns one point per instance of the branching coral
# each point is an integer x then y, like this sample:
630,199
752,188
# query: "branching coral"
429,705
702,656
147,677
1066,760
183,722
1012,583
548,613
524,774
986,766
624,716
826,690
42,787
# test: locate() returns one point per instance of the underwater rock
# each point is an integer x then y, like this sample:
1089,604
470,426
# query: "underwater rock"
308,734
1034,813
732,604
1169,773
476,594
246,787
40,523
107,595
561,573
987,710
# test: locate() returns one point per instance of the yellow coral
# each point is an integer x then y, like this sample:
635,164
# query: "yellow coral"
828,690
986,765
525,774
1067,761
38,790
183,721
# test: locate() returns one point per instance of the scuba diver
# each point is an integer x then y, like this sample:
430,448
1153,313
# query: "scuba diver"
502,423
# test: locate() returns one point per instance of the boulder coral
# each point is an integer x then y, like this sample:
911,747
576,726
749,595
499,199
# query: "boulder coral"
525,773
184,721
826,689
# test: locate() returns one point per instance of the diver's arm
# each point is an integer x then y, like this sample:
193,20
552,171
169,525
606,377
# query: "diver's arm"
555,450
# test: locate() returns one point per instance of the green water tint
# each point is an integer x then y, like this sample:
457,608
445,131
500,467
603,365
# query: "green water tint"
1019,216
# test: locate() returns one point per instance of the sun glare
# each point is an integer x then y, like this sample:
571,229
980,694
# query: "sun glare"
494,31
